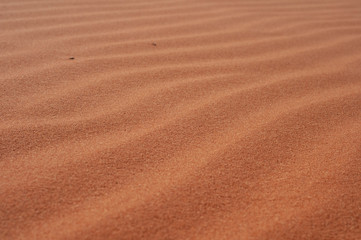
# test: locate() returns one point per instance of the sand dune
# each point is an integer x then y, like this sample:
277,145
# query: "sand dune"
232,119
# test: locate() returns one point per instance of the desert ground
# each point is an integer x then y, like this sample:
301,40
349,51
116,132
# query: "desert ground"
180,119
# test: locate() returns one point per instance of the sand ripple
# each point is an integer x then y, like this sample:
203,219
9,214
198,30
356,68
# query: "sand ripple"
180,119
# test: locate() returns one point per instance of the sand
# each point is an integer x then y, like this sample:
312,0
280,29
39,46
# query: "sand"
184,119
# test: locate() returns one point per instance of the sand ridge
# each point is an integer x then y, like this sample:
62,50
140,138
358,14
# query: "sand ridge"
180,119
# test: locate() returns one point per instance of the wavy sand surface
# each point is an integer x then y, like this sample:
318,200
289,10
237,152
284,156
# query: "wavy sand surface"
207,119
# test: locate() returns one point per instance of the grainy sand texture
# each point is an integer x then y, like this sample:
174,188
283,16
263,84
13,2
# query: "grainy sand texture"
180,119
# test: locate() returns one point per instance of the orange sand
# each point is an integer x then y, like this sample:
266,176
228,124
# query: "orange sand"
184,119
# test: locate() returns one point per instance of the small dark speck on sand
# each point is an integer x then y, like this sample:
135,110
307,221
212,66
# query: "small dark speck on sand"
72,58
154,44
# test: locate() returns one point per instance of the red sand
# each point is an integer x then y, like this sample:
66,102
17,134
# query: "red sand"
208,119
